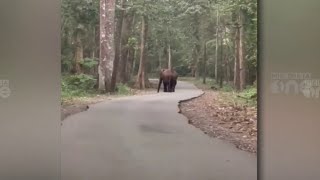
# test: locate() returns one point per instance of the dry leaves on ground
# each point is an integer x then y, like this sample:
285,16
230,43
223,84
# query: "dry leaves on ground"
218,119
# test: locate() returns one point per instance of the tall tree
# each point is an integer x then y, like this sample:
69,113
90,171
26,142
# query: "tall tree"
117,43
242,60
142,80
217,46
236,79
204,75
126,49
107,54
79,52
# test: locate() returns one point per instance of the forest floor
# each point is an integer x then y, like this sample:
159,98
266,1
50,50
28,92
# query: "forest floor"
223,115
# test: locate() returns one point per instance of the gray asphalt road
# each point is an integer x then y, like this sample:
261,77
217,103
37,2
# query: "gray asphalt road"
144,138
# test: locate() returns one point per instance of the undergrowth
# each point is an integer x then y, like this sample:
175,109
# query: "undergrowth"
83,86
247,97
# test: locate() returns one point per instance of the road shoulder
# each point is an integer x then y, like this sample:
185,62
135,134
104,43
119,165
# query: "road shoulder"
217,119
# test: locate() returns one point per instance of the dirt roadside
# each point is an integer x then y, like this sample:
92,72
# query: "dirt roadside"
218,119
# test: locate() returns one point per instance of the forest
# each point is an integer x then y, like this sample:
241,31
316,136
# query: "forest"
108,46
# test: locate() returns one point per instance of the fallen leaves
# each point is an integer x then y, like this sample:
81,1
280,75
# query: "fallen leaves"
217,118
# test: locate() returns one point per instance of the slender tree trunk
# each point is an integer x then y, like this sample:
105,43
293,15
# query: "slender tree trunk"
117,41
221,71
129,62
169,57
236,79
217,47
79,53
159,54
93,49
197,45
197,67
204,63
134,62
227,69
160,59
193,63
107,13
242,62
141,82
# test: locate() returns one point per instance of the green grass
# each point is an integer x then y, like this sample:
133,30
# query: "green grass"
243,98
246,97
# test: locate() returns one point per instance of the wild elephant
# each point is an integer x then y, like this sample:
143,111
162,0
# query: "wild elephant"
169,79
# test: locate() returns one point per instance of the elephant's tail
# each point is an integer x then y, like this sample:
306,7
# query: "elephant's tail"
160,81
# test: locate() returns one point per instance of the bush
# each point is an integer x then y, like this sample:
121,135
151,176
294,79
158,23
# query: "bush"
249,93
89,63
122,89
227,88
80,82
77,85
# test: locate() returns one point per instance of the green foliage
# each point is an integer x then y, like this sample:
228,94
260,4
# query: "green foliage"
185,25
78,17
77,85
227,88
123,89
89,63
133,42
66,65
249,93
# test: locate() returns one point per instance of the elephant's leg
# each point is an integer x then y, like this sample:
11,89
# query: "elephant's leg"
173,85
169,86
165,86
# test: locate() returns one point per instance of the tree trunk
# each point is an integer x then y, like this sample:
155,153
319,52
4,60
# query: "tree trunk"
78,54
129,63
125,34
242,62
117,43
217,47
193,63
159,55
221,68
204,63
141,82
160,59
169,57
131,51
134,58
236,79
197,45
227,69
93,49
107,13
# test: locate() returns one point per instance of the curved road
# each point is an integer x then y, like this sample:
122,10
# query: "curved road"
144,138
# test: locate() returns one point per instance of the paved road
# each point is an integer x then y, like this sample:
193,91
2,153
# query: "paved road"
144,138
